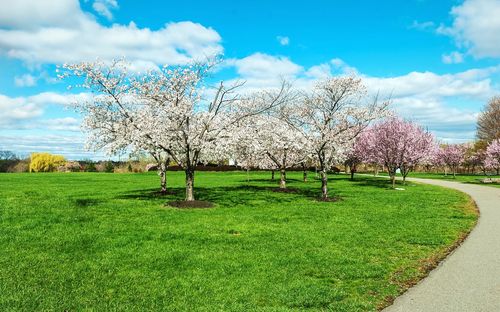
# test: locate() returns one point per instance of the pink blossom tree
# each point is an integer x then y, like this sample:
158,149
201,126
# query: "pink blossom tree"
396,144
493,156
429,160
477,160
451,155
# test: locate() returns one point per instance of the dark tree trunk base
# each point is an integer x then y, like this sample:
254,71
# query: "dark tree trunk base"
186,204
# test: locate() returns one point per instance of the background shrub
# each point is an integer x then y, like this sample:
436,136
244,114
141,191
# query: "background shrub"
90,167
45,162
109,167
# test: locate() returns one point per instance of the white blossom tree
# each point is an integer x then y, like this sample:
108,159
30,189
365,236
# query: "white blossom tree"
114,116
330,117
273,144
165,111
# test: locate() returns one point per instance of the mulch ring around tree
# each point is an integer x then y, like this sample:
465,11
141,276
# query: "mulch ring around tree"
183,204
284,190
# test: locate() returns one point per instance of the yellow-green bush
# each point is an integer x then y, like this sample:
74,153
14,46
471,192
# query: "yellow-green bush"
45,162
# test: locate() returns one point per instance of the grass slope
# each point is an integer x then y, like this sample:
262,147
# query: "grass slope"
88,241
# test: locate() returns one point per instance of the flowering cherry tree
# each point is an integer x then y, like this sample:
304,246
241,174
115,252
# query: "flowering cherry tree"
451,155
164,111
330,117
396,144
493,156
355,156
478,159
114,117
274,144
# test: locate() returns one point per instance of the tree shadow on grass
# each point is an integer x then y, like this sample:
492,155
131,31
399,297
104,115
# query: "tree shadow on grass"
373,182
151,194
86,202
276,180
223,196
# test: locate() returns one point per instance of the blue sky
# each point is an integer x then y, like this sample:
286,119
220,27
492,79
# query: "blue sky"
438,59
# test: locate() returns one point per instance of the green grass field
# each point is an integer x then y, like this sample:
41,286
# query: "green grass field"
83,241
464,178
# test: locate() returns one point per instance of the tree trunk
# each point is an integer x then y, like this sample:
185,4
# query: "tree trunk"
352,174
404,173
393,180
304,175
324,184
163,180
189,184
282,179
272,175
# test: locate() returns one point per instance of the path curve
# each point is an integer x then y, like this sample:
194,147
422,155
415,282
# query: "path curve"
469,278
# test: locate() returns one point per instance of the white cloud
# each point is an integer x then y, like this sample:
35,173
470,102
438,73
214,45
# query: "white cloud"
29,80
447,104
422,25
64,99
426,97
260,65
320,71
453,58
59,124
26,14
104,7
261,70
71,146
439,117
476,27
283,40
26,80
335,66
54,32
23,112
473,84
17,109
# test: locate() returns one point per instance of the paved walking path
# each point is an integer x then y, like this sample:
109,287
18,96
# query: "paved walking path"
469,279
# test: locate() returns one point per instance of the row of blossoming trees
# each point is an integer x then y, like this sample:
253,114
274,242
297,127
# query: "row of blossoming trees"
172,115
397,144
481,155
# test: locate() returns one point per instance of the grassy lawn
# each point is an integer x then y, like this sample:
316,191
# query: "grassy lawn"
464,178
87,241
